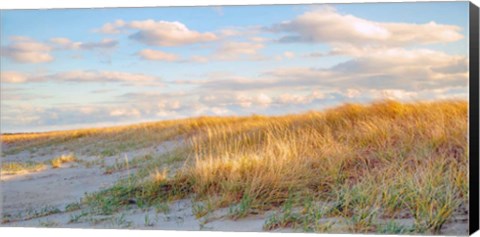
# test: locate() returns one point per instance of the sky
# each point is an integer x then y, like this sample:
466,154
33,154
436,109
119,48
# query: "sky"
78,68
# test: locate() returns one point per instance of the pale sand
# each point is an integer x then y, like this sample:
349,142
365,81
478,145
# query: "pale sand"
23,194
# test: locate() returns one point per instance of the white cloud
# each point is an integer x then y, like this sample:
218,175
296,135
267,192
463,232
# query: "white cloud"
381,64
103,44
64,43
229,32
352,93
262,100
393,68
26,50
238,50
20,94
12,77
288,54
246,101
125,112
219,111
259,39
296,99
243,101
199,59
288,98
100,76
174,105
329,26
398,94
285,55
156,55
420,65
232,51
241,31
67,44
81,76
159,33
112,28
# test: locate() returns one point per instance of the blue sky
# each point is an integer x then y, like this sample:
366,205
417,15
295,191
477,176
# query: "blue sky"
64,69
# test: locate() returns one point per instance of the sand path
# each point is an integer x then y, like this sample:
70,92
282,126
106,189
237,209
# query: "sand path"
40,199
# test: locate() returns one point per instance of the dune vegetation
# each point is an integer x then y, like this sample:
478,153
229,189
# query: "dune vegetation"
57,162
364,166
20,167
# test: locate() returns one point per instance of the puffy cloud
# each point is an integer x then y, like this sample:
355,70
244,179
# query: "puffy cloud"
156,55
262,100
231,82
420,66
12,77
175,104
316,55
248,101
113,27
26,50
398,94
288,54
229,32
238,50
37,118
199,59
20,94
231,51
291,99
259,39
100,76
81,76
64,43
122,112
329,26
135,107
368,95
392,68
241,31
153,102
164,33
159,33
104,44
67,44
285,55
219,111
243,100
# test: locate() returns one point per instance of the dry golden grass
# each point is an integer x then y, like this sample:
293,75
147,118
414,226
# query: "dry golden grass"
382,160
58,161
9,168
160,176
371,161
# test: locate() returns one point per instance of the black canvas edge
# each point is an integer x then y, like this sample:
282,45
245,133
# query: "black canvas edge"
474,176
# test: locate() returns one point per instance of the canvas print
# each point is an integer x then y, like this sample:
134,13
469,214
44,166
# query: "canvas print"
338,118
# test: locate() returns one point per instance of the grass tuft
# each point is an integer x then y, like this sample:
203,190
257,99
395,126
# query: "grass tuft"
11,168
58,161
362,163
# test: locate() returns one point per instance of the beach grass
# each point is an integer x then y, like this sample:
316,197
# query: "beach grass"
365,164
